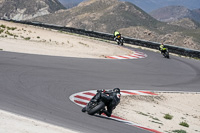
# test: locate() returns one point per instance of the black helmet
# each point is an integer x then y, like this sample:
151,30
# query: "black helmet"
116,90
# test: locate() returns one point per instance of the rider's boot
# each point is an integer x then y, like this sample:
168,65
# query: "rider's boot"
107,113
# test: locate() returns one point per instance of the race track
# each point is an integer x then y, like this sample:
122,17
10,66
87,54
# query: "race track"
39,86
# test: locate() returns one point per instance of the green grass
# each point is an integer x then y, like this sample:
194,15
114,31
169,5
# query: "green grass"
10,34
168,116
184,124
179,131
2,26
1,31
27,38
11,28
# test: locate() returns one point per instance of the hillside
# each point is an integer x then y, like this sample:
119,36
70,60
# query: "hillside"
27,9
146,5
186,23
197,11
130,20
174,13
150,5
101,15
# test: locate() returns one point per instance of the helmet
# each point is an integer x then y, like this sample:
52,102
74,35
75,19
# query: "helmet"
116,90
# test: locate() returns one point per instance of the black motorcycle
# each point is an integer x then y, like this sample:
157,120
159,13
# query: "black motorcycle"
165,53
96,104
119,40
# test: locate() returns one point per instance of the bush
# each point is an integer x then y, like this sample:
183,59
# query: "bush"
2,26
10,34
168,116
11,28
27,38
184,124
1,30
179,131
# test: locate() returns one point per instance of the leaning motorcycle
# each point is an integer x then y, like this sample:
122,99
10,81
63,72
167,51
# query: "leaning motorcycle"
120,40
96,105
165,53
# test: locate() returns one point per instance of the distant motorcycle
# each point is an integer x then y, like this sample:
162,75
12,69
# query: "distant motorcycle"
119,40
165,53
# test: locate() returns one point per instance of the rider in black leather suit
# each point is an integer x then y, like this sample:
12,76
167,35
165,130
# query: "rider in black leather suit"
112,97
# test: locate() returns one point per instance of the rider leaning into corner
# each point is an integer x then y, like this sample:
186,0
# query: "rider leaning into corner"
112,97
161,48
116,33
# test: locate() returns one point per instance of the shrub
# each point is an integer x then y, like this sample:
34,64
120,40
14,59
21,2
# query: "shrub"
1,30
10,34
179,131
184,124
27,38
2,26
11,28
168,116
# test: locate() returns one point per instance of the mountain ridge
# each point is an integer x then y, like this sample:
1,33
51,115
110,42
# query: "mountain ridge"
101,15
146,5
174,13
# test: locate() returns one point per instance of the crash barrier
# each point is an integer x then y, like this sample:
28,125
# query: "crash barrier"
153,45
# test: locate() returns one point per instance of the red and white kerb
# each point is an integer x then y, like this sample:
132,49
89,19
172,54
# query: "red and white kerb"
82,98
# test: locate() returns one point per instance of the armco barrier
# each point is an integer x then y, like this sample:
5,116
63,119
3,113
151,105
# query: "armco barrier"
172,49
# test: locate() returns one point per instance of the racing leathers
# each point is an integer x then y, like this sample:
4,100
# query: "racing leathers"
161,48
117,36
112,100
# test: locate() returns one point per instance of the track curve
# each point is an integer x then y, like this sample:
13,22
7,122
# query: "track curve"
39,86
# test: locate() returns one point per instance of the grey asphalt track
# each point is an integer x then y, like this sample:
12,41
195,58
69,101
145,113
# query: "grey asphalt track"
39,86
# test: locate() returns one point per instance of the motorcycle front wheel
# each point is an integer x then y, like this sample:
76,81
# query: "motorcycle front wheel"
97,108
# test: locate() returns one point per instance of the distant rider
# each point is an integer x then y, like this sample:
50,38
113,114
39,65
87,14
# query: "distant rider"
161,48
112,97
117,35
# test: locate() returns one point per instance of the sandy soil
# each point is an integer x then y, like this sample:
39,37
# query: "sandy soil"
35,40
148,111
13,123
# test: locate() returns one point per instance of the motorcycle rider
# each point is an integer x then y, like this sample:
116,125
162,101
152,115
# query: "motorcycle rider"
113,101
116,34
161,48
112,97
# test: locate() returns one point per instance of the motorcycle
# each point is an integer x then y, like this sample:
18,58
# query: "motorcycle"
165,53
120,40
96,105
